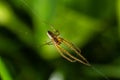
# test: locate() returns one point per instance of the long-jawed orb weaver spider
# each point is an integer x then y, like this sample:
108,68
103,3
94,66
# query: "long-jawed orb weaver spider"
56,40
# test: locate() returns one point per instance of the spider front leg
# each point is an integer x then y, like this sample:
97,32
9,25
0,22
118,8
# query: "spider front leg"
49,43
55,31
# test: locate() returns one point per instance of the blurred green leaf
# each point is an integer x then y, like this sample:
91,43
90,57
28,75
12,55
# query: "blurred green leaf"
4,72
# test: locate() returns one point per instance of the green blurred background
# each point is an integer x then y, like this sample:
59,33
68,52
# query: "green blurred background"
92,25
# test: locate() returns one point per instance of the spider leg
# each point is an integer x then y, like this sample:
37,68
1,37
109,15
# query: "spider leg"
61,51
49,43
71,56
77,51
54,30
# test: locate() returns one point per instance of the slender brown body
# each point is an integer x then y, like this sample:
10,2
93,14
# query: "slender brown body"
54,37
